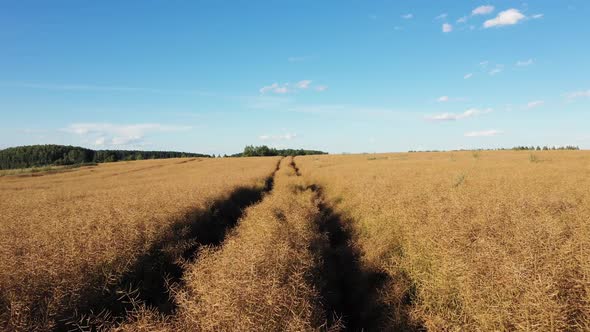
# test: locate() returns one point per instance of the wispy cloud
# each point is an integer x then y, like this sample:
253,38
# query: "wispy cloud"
458,116
508,17
525,63
483,133
441,16
303,84
444,99
537,16
499,68
408,16
468,76
284,88
578,94
99,88
534,104
462,19
275,88
120,135
283,137
495,71
482,10
446,27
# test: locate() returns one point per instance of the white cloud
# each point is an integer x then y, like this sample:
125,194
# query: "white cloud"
497,70
303,84
458,116
534,104
468,76
484,63
462,19
114,134
482,10
288,87
536,16
284,137
275,88
441,16
446,27
321,88
508,17
444,99
483,133
524,63
281,90
578,94
408,16
131,140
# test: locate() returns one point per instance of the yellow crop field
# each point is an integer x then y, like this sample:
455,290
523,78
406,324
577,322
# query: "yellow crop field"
287,266
446,241
268,165
471,241
65,237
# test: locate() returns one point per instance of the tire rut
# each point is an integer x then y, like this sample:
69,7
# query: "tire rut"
349,290
148,282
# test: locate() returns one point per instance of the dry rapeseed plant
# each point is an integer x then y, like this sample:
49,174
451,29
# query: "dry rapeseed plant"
263,277
506,249
486,242
65,236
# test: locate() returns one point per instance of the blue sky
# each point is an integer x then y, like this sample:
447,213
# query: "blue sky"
342,76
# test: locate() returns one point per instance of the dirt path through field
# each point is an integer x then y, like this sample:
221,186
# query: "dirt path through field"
321,267
149,279
349,290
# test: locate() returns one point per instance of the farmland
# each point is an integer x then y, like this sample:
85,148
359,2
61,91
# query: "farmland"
490,240
67,237
472,240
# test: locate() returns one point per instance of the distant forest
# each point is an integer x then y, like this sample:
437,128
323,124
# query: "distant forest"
56,155
516,148
263,151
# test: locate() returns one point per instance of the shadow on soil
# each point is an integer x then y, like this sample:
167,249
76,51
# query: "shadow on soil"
148,281
294,166
352,293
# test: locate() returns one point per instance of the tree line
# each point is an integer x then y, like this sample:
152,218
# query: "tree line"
538,148
56,155
263,151
516,148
